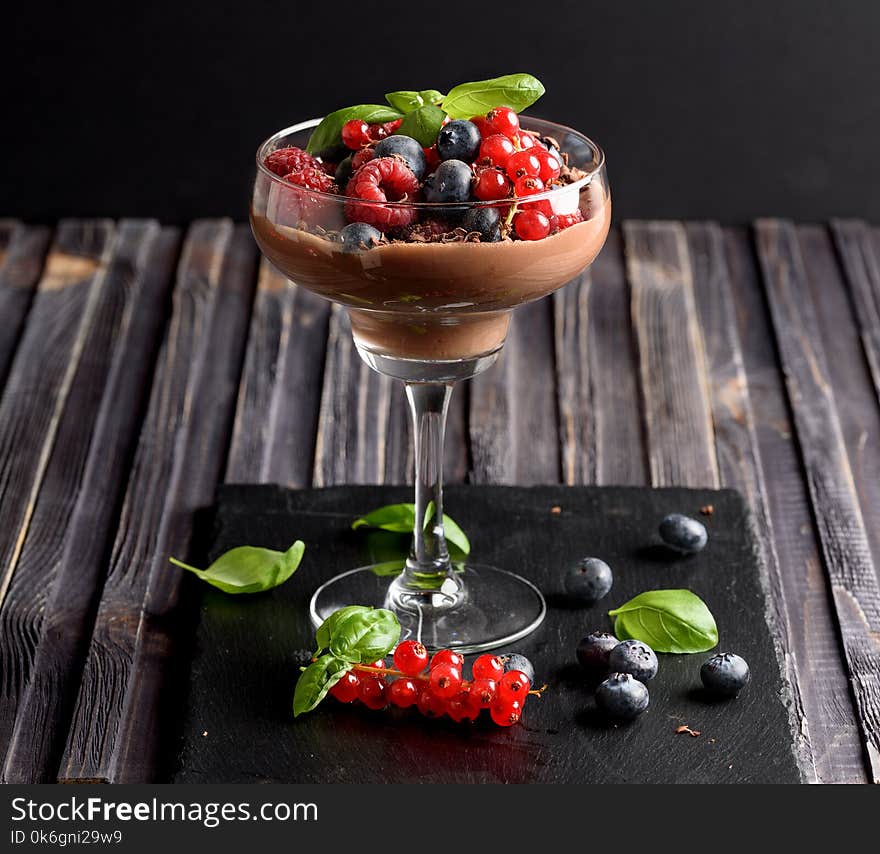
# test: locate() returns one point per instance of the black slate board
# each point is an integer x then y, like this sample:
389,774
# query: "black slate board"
238,725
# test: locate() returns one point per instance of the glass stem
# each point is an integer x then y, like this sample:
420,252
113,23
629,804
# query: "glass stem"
429,557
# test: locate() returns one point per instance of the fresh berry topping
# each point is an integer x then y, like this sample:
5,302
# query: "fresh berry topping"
725,674
385,129
527,186
379,665
496,150
356,134
407,148
484,690
364,155
410,657
635,658
403,693
562,221
588,580
542,205
359,236
372,693
523,163
488,667
286,160
312,179
503,120
463,707
347,689
450,183
549,164
515,661
514,685
459,140
491,184
683,533
506,713
381,180
445,680
482,125
594,649
432,158
486,221
531,225
447,656
525,141
344,171
622,697
430,705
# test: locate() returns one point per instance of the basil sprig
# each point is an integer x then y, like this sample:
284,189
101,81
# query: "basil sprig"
328,134
423,124
248,569
516,91
352,635
668,621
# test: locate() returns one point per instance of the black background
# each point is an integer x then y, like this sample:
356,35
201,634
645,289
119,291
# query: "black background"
725,110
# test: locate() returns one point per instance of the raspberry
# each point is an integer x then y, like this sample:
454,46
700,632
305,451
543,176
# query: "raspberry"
514,685
286,160
488,667
346,690
356,134
312,178
382,180
365,155
403,693
491,184
503,120
447,656
506,713
445,680
531,225
410,658
562,221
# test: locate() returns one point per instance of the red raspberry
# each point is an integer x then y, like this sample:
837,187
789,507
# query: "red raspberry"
286,160
356,134
365,155
312,178
491,184
386,179
503,120
531,225
562,221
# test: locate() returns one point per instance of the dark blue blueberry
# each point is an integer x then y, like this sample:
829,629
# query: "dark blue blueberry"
622,697
459,140
683,533
407,148
485,221
358,236
515,661
589,580
343,173
725,674
450,183
594,649
635,658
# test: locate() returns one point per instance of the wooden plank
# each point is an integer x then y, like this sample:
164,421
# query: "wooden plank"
681,446
600,422
22,250
277,414
737,449
861,262
179,460
839,518
513,416
57,581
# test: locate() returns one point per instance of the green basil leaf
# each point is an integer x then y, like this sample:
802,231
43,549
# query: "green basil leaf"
423,124
401,518
406,101
315,681
329,132
516,91
668,621
248,569
365,636
326,629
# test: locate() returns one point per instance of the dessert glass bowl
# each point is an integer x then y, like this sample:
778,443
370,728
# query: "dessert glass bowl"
431,313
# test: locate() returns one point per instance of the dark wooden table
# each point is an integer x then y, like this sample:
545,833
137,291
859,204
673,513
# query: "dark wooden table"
140,367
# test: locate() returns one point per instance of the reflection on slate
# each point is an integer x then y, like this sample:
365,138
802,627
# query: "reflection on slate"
238,725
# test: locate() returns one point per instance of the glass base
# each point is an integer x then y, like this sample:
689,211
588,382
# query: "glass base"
491,608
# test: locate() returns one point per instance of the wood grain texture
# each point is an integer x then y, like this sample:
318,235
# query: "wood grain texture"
678,422
838,516
178,462
22,250
600,426
279,400
58,578
736,443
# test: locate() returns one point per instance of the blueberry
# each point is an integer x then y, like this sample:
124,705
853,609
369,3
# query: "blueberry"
635,658
407,148
343,173
450,183
515,661
725,674
622,697
357,236
589,580
594,649
459,140
683,533
486,221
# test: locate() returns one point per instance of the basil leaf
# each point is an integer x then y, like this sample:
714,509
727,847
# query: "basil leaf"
248,569
365,636
329,132
516,91
406,101
315,681
401,518
668,621
423,124
326,629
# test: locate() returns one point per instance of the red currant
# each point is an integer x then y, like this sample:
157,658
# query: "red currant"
563,221
542,205
379,665
523,163
372,693
432,157
484,690
506,713
491,184
430,705
482,125
410,657
495,150
463,707
526,141
346,690
503,120
447,656
404,692
356,134
445,680
380,131
514,685
527,186
488,667
549,164
531,225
